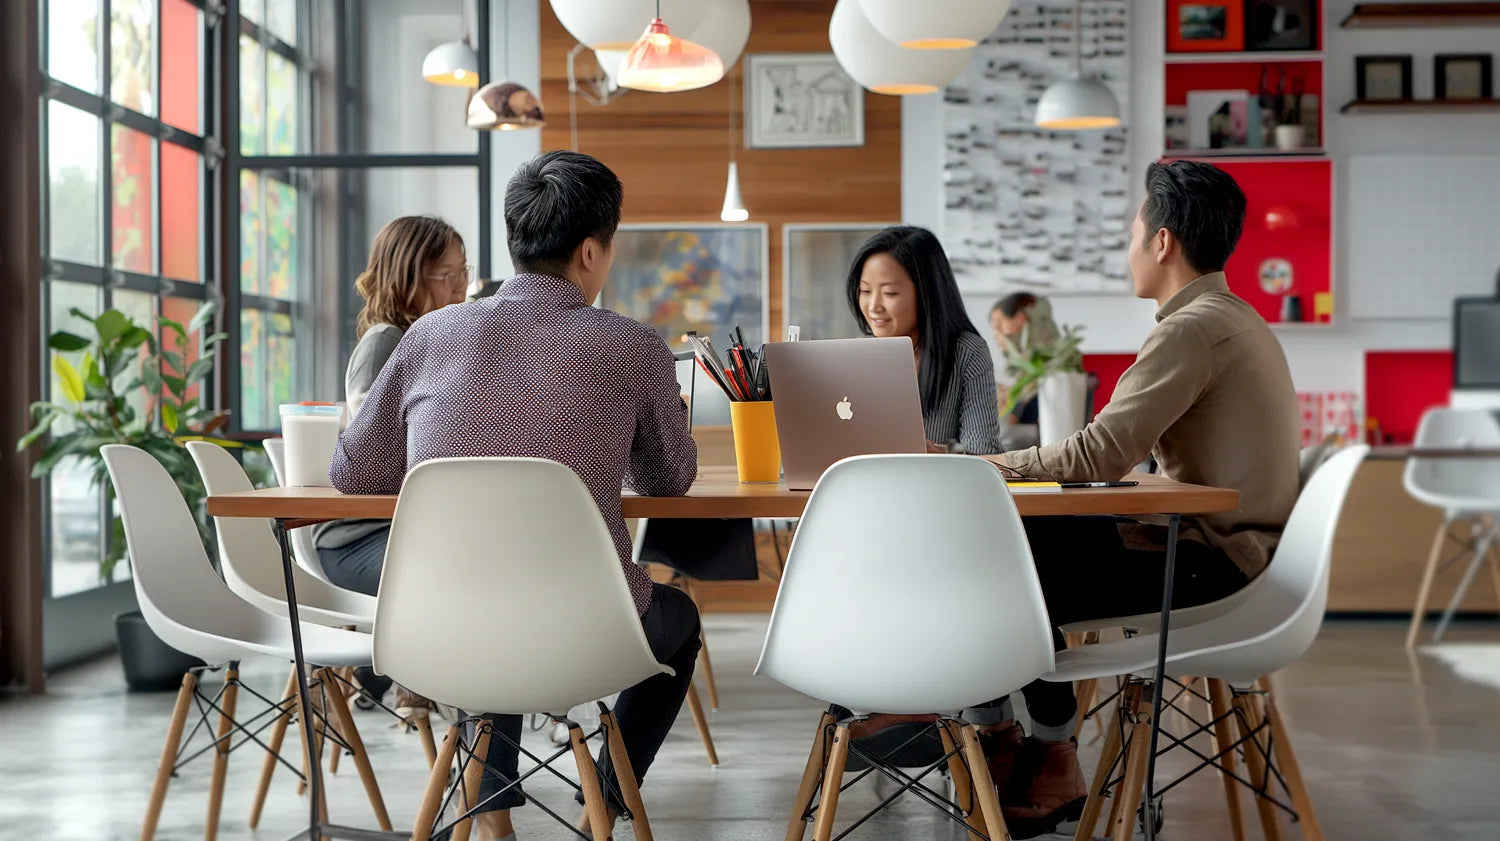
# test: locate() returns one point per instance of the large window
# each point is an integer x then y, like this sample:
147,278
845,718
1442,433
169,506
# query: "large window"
126,197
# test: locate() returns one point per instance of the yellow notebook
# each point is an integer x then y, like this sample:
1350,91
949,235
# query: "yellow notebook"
1027,486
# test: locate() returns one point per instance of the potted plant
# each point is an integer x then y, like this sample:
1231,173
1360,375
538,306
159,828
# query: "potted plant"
1048,362
126,387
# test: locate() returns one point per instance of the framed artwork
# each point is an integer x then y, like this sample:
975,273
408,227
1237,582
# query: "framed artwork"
1382,77
1203,26
692,276
1222,120
1281,25
1463,76
795,100
815,261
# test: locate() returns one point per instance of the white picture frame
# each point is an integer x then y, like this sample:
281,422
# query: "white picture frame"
801,100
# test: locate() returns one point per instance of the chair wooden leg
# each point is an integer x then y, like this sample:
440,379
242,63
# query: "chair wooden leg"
984,787
588,777
833,779
168,755
1251,716
695,707
221,750
1494,565
630,789
473,773
1129,793
423,722
964,784
1084,690
1291,771
707,665
1111,752
357,752
278,737
817,760
1220,710
1419,612
437,783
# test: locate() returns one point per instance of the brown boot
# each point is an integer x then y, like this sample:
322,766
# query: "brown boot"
1046,788
1002,745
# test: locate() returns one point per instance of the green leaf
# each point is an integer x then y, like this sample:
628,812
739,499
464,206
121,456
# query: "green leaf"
37,431
111,325
173,359
174,326
215,339
80,315
135,337
68,379
199,369
74,443
177,385
151,376
67,342
202,317
169,416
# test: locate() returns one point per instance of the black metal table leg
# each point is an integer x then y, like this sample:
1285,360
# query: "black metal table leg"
1161,672
314,768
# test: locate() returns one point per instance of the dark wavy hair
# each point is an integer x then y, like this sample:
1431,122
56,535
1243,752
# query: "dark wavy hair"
941,317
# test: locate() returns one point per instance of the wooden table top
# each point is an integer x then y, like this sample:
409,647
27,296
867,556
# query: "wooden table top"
718,493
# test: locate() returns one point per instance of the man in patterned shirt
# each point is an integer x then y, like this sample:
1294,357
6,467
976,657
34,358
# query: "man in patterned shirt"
536,371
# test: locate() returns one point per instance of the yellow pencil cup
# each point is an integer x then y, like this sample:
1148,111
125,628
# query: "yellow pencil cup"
757,453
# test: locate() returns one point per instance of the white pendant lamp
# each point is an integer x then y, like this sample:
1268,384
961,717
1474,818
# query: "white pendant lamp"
725,29
935,24
609,62
1077,103
616,24
734,204
883,66
665,63
453,63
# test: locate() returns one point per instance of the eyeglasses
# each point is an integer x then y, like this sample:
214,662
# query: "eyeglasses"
455,279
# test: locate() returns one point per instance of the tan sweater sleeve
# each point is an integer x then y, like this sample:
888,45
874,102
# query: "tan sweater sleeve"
1169,375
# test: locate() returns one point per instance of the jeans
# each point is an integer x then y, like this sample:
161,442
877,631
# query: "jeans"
645,711
1101,567
356,566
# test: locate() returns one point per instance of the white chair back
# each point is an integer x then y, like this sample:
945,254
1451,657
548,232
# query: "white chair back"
304,543
1457,484
183,601
909,588
519,541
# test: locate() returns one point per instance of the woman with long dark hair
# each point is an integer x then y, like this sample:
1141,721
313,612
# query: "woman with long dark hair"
901,285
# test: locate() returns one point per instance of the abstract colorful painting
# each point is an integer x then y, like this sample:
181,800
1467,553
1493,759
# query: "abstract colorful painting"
676,278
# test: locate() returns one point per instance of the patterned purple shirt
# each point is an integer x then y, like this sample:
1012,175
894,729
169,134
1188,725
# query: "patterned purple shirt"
533,371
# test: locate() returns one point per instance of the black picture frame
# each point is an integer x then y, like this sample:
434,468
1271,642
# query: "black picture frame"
1262,17
1362,65
1440,64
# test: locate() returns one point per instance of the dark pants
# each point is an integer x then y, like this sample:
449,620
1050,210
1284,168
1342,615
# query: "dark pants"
356,566
1102,567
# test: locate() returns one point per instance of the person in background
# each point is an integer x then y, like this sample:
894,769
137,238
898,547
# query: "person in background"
535,371
1008,318
1210,396
901,285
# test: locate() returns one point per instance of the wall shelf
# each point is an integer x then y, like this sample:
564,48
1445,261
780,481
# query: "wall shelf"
1245,152
1421,15
1261,57
1421,106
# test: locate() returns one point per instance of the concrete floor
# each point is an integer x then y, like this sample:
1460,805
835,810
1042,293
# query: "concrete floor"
1393,748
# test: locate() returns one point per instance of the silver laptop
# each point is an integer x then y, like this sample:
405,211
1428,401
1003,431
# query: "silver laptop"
843,397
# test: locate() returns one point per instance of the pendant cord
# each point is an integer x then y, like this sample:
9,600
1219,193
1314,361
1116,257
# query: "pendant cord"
1077,37
658,9
508,77
731,118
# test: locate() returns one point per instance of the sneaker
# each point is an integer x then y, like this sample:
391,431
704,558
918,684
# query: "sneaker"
373,685
408,702
1002,745
1046,788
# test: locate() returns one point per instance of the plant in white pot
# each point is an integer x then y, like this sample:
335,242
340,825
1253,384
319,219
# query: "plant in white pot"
1047,362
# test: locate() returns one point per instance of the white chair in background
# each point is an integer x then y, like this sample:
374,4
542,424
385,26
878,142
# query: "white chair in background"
1468,491
304,546
886,619
190,609
556,578
1237,651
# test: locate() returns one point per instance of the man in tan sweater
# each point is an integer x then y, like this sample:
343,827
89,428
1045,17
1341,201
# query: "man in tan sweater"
1210,396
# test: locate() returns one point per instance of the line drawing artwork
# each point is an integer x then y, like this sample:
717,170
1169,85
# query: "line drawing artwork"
802,100
1029,208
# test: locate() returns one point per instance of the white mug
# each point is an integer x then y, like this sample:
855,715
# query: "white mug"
1290,137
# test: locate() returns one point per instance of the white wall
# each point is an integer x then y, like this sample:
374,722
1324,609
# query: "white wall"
518,39
1326,358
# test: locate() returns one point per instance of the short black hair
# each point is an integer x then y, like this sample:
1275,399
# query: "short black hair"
1201,205
941,317
1013,303
553,203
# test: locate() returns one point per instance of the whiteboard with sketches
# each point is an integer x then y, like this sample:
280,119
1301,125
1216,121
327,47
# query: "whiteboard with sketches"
1026,208
1423,230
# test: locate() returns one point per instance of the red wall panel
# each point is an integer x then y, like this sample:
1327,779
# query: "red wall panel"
1401,385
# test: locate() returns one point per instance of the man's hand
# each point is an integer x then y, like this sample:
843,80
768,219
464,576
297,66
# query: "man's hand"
936,448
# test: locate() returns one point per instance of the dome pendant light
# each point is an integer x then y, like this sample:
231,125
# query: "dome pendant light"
1077,103
734,203
882,66
507,105
453,63
665,63
935,24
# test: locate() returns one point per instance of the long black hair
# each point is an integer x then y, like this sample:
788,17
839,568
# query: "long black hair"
941,317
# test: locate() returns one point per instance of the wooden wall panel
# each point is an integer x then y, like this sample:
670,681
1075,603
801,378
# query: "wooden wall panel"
672,150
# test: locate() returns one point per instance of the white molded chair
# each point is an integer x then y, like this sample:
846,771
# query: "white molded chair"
556,573
190,609
304,545
884,619
1236,651
1468,490
250,557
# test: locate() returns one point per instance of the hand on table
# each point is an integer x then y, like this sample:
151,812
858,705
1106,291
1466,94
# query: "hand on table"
936,448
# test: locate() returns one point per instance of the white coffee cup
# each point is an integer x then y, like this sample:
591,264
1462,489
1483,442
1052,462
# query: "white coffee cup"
1290,138
311,432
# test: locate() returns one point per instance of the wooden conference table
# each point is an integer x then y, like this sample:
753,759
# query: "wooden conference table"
718,494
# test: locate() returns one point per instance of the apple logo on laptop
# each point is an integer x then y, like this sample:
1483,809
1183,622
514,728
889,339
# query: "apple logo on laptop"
846,411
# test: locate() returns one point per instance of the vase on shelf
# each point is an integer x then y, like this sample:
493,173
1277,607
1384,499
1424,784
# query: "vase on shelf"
1060,405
